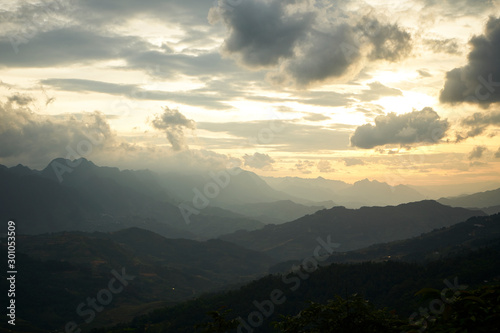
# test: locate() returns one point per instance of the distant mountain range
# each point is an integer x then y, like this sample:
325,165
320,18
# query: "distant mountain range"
78,195
361,193
92,198
350,228
488,201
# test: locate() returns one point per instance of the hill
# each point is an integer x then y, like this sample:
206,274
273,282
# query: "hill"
59,271
349,229
479,200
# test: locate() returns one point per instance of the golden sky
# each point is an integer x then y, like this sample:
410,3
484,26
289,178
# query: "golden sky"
398,91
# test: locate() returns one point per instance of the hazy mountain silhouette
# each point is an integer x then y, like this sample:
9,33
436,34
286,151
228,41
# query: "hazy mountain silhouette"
478,200
104,199
361,193
276,212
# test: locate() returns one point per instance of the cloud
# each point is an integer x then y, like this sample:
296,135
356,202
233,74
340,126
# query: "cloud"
303,43
478,122
497,153
68,46
416,127
38,138
260,33
259,161
479,81
173,123
450,46
325,166
315,117
376,91
477,152
424,73
21,100
353,161
133,91
304,166
280,135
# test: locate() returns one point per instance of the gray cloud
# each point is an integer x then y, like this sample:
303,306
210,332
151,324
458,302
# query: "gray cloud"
260,33
303,42
416,127
259,161
173,123
477,152
325,166
450,45
497,153
424,73
478,81
315,117
353,161
279,135
21,100
195,97
304,166
65,46
477,123
376,91
24,133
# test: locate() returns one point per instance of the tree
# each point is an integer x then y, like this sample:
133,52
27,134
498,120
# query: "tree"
351,315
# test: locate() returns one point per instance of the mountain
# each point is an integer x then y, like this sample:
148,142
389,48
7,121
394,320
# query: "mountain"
62,270
361,193
87,197
374,193
475,233
275,212
391,284
225,188
313,189
348,229
479,200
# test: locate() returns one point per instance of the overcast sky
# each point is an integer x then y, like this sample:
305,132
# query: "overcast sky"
398,91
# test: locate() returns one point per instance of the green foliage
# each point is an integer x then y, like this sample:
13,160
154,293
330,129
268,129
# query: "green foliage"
475,310
354,314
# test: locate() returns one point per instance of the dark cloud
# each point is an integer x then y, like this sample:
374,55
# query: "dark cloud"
325,166
66,46
21,100
477,152
173,123
388,41
477,123
353,161
24,133
497,153
416,127
478,81
303,43
260,33
376,91
259,161
450,46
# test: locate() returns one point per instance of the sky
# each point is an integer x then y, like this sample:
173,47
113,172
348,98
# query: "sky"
405,92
